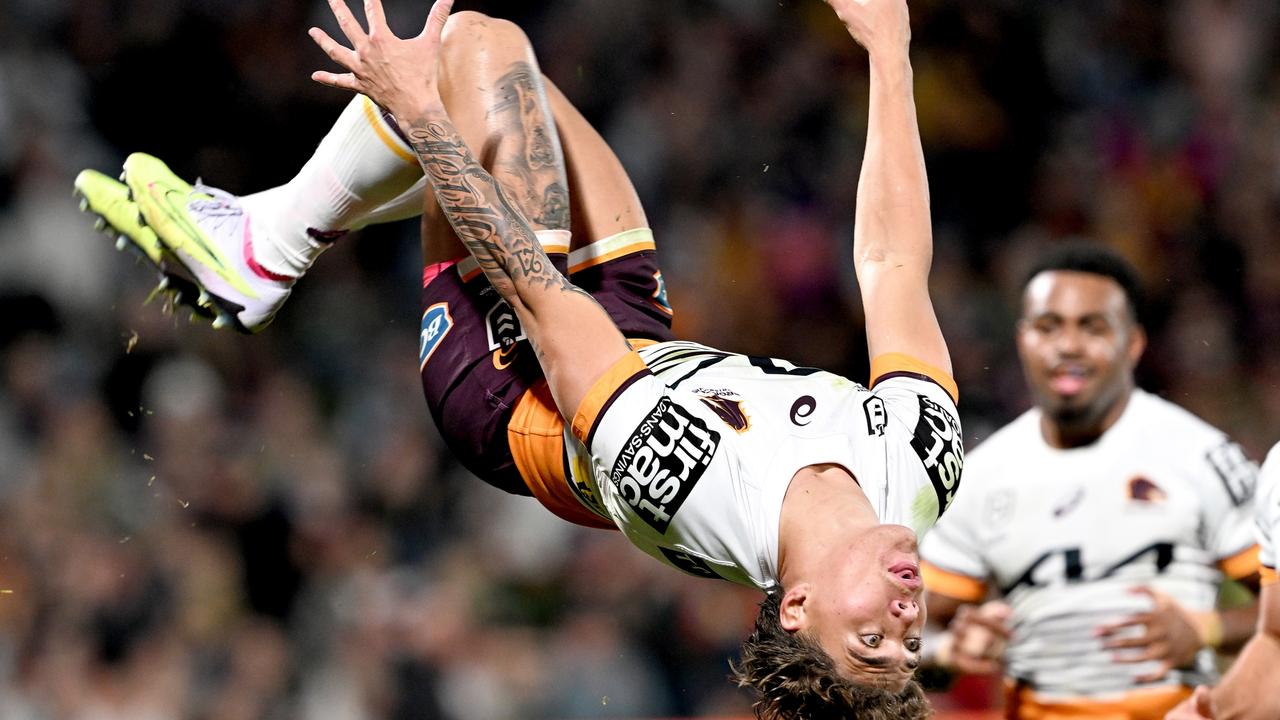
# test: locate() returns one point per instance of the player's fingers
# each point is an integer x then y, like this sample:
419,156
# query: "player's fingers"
347,22
1128,642
995,625
1131,621
373,15
344,56
1158,599
345,81
436,19
1155,651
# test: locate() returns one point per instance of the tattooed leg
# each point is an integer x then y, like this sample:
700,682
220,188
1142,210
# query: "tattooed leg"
603,202
493,91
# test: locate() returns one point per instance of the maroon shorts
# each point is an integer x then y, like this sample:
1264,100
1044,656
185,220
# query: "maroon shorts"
476,363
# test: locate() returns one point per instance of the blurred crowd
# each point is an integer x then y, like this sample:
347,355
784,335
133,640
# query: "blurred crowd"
207,526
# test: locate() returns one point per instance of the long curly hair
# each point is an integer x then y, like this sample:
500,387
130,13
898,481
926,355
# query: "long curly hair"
795,679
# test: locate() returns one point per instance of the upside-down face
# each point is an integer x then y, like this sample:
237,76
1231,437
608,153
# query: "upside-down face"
868,613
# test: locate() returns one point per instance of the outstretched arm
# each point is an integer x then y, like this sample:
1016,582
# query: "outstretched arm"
893,239
575,340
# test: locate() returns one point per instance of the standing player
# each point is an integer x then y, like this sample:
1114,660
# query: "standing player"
1105,517
804,484
1249,690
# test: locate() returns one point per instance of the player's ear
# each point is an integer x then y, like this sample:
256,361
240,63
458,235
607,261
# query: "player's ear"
791,611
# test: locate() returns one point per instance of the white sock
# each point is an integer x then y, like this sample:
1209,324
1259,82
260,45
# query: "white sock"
406,205
361,167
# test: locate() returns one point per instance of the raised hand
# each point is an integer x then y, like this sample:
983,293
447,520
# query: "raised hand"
877,25
398,74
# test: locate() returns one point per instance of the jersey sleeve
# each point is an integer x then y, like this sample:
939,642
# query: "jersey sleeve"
921,399
652,449
1268,514
1227,504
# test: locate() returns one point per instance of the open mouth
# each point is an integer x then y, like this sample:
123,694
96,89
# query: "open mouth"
908,572
1069,379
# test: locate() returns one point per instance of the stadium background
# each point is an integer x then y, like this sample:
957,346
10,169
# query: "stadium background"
200,525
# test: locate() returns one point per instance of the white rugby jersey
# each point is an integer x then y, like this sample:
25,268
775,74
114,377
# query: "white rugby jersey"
692,450
1268,517
1161,500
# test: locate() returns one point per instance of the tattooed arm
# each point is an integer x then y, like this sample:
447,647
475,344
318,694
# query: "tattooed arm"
492,228
574,337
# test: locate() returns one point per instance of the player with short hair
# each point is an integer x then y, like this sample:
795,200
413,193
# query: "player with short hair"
1249,691
806,485
1102,520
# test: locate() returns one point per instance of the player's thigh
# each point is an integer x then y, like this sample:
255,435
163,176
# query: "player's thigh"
475,366
493,90
602,200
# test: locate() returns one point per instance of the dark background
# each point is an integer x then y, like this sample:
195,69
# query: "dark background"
200,525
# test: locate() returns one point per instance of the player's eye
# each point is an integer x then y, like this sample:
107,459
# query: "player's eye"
872,641
1045,325
913,644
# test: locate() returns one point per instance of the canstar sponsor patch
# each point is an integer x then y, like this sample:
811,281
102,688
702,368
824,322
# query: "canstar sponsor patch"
662,461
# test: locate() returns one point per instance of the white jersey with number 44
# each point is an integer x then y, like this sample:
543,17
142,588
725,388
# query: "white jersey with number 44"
1162,500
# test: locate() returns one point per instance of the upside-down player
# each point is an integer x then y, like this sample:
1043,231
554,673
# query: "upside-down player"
1249,690
793,480
1104,516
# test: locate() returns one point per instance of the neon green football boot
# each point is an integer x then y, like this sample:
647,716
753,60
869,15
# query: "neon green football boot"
209,234
117,217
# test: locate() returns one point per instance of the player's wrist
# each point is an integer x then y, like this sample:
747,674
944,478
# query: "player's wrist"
891,65
1208,626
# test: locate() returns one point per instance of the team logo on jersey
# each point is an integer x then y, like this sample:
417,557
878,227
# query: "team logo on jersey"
728,410
689,563
504,332
938,442
663,459
1238,473
1143,490
436,323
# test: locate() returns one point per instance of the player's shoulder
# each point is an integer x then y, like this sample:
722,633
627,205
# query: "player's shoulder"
1205,455
1171,426
1272,462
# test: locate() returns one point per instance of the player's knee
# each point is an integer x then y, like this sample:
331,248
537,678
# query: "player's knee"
469,32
